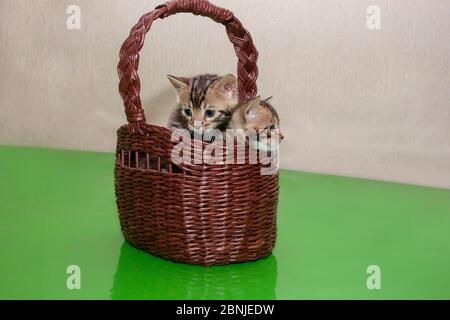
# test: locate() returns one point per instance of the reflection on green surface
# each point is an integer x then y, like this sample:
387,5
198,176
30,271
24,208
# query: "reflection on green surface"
142,276
57,208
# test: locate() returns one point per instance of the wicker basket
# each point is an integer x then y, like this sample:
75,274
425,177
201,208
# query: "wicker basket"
197,214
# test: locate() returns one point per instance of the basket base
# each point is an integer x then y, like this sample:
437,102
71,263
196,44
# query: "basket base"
212,261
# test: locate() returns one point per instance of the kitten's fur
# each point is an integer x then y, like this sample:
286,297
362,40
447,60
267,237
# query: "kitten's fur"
255,121
255,115
204,102
219,95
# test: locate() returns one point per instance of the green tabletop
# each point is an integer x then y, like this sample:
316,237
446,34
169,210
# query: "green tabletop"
57,209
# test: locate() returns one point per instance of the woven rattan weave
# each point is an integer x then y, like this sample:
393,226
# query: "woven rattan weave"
199,214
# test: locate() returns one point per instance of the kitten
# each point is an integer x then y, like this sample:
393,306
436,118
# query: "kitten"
204,102
254,116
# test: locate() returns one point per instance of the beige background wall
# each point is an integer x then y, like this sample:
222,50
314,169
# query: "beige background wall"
352,101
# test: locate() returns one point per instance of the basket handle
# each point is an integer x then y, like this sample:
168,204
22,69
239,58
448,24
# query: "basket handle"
130,86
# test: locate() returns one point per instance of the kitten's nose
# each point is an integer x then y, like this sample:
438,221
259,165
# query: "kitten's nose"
198,124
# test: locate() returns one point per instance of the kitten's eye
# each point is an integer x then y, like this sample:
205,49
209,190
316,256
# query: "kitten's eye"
210,113
187,112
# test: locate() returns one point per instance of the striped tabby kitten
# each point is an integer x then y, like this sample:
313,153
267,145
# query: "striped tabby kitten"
256,115
204,102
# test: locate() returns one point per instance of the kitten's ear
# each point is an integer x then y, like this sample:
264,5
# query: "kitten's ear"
252,109
268,99
227,86
179,83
